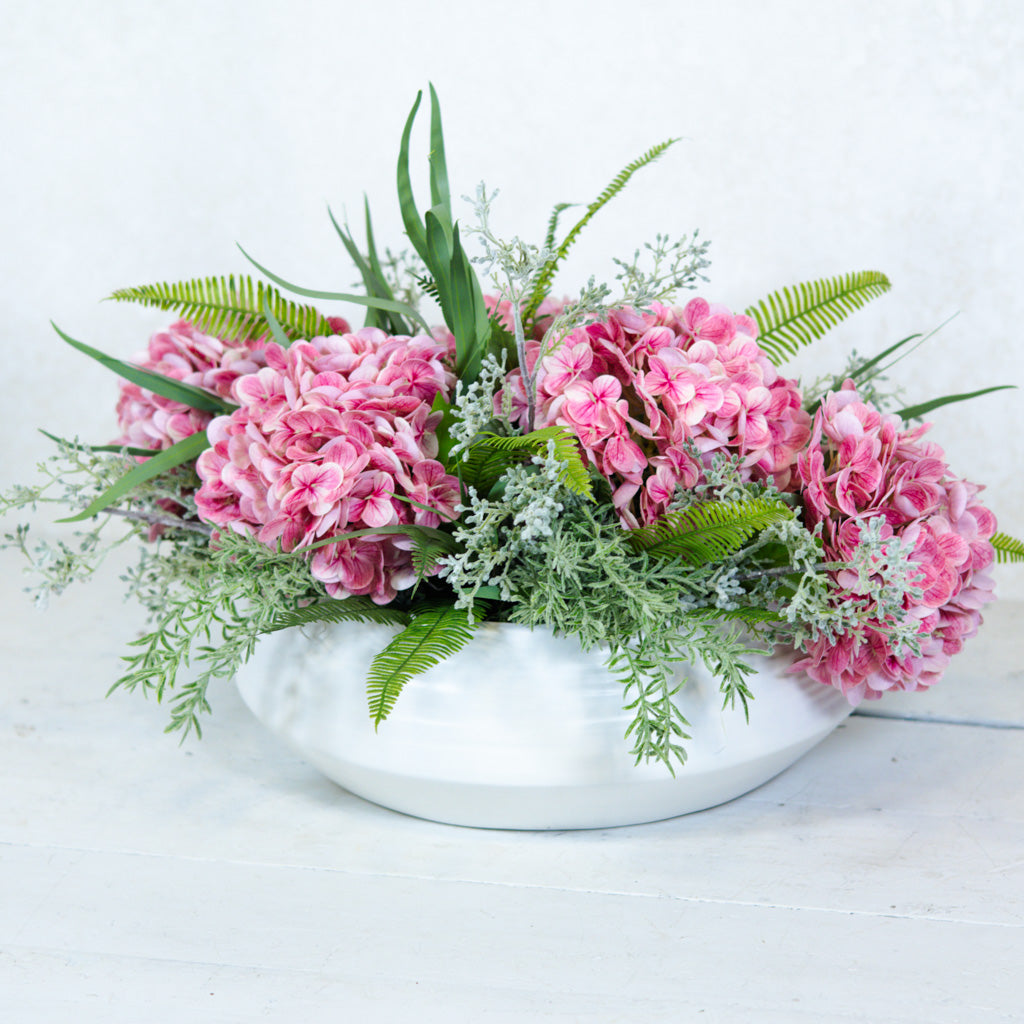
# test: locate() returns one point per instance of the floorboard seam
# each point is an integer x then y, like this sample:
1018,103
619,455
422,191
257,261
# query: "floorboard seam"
409,877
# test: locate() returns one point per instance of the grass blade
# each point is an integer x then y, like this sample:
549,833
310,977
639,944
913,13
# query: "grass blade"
184,451
166,387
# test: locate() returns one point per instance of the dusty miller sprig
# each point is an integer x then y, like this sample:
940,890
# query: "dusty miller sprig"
473,405
494,532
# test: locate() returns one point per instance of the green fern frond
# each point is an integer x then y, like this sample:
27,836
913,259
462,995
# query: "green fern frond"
799,315
486,460
615,186
229,307
432,636
556,213
709,531
351,609
1008,549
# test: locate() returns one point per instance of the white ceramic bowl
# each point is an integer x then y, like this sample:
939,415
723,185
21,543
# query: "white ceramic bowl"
521,729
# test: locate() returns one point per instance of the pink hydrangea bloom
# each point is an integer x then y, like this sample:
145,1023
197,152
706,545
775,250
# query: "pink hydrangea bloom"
202,360
861,464
641,391
330,437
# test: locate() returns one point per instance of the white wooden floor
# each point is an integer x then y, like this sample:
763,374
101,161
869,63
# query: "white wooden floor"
881,879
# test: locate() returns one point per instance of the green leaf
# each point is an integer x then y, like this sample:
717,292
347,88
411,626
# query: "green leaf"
275,327
487,459
614,187
374,317
471,323
406,200
443,431
862,372
439,260
374,281
916,411
556,213
439,194
140,452
432,636
799,315
230,307
166,387
349,609
391,305
709,531
1008,549
184,451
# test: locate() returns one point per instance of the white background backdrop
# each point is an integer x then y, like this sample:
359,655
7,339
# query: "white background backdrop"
142,140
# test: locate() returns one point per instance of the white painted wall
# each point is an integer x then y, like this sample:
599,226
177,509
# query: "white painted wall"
142,140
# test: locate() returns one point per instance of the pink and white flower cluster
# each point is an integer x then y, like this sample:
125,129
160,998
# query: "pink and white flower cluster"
186,354
642,390
861,464
331,435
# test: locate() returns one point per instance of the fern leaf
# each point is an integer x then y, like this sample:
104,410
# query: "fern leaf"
614,187
799,315
1008,549
432,636
556,213
486,460
229,307
350,609
709,531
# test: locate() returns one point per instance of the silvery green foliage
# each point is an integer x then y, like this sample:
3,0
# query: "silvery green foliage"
405,273
473,404
584,579
70,479
673,267
513,266
494,532
874,388
871,594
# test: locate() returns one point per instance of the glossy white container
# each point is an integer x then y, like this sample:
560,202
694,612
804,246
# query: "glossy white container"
521,729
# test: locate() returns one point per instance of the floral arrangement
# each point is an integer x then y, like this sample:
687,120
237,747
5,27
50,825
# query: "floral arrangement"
622,467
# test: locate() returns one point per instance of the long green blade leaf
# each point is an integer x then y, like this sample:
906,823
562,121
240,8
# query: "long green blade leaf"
406,200
439,194
143,452
374,317
183,451
915,411
275,327
391,305
127,449
469,315
166,387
